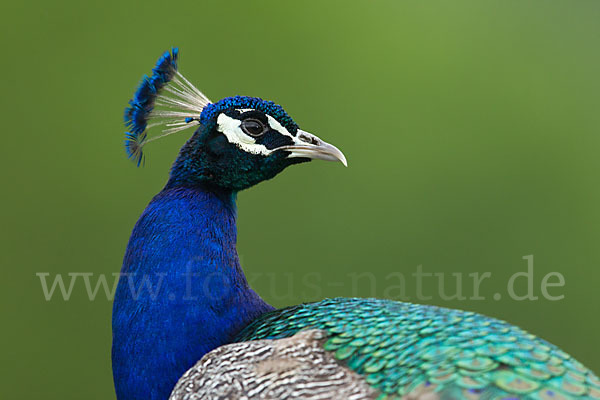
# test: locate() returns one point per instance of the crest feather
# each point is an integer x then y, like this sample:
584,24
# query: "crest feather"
165,98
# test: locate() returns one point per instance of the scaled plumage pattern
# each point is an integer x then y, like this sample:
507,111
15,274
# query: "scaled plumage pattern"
404,349
183,302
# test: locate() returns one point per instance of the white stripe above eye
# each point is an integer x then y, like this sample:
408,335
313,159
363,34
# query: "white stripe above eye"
278,127
230,127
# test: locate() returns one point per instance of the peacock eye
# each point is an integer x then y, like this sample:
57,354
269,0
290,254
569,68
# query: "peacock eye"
253,127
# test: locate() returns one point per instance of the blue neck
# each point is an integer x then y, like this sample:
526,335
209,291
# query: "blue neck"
182,292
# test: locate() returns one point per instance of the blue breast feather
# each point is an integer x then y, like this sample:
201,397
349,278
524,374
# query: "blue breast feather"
183,246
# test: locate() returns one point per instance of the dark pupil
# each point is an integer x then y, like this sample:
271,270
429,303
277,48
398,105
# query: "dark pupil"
253,127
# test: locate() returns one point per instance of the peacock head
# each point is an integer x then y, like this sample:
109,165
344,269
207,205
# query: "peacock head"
239,141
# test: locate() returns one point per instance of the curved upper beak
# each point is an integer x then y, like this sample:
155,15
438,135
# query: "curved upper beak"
308,145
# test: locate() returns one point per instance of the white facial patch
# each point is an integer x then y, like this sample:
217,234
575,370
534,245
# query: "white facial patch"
275,125
230,127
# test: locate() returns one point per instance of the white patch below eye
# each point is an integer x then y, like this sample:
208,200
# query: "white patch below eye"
230,127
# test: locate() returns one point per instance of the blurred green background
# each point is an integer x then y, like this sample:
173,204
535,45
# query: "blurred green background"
470,127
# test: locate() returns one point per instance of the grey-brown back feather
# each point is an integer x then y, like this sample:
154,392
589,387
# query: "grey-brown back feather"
292,368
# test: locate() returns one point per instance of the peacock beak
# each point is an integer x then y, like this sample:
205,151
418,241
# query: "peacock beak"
310,146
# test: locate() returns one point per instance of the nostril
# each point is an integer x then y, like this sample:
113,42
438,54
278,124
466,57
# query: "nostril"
309,139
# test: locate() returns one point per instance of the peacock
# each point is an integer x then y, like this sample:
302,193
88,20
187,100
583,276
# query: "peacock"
186,324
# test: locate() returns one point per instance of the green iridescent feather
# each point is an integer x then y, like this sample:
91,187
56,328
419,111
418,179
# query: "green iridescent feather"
405,350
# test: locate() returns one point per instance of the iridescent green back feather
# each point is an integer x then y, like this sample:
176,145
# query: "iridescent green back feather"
407,350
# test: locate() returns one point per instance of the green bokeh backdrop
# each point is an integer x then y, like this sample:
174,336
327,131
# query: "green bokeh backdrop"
471,130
